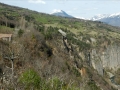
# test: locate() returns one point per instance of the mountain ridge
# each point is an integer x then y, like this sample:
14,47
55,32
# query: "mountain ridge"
61,13
111,19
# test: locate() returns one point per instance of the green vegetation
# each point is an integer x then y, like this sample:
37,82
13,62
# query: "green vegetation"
31,80
20,33
38,44
92,86
76,72
4,29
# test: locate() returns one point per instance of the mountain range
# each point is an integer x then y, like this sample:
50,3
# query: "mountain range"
111,19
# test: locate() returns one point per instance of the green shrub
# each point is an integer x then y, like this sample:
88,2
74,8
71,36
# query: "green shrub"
92,86
57,84
20,33
76,72
30,79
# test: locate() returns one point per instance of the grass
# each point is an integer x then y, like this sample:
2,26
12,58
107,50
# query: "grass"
114,34
93,33
4,29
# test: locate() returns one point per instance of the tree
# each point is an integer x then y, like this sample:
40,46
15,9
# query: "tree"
11,53
20,33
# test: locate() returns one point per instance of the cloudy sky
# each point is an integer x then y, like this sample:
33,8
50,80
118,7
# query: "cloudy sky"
76,8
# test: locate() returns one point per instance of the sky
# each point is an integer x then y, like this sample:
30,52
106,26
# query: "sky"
77,8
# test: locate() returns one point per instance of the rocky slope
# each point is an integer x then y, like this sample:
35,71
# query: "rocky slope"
56,53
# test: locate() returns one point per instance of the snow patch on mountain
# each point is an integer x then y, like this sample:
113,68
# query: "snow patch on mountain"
56,11
102,16
81,18
99,16
116,14
61,13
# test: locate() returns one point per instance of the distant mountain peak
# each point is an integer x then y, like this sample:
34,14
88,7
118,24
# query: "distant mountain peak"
115,14
102,16
99,16
61,13
57,11
111,19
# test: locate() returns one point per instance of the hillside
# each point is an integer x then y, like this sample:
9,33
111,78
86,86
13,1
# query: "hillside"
40,57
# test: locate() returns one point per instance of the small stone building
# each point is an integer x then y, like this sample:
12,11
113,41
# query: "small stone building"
6,37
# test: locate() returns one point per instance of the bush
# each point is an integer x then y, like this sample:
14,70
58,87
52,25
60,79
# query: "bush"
56,84
76,72
30,79
48,36
20,33
92,86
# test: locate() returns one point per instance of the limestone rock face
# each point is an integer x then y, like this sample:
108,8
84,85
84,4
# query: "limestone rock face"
109,58
96,62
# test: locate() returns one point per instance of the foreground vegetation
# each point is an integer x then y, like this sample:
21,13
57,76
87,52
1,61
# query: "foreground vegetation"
42,61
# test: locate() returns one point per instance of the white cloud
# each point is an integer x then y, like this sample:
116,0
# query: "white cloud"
37,1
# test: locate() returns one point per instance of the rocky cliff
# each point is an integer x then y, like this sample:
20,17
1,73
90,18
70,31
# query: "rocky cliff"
108,59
